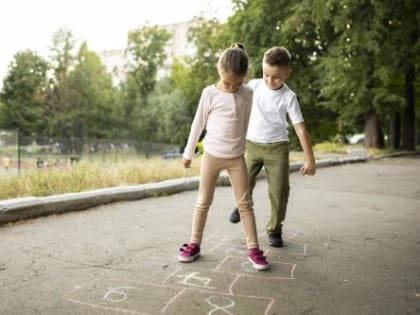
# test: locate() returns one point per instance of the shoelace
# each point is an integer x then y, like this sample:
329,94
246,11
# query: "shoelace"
187,248
258,255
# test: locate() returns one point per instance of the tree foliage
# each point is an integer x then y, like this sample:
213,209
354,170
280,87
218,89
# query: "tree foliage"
62,53
24,93
168,113
400,55
146,55
85,98
350,71
81,101
355,65
192,73
290,25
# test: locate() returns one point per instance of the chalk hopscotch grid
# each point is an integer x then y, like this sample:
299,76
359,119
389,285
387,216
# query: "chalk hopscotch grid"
169,301
183,289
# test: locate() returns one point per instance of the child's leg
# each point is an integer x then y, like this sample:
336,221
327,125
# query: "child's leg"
254,162
209,172
238,176
276,163
239,179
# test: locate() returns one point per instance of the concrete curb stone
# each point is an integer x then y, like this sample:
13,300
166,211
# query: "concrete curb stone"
13,210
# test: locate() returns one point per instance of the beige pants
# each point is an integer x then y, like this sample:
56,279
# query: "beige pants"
238,176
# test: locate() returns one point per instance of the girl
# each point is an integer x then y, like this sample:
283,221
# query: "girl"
224,110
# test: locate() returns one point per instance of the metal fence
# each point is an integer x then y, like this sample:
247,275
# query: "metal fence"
19,153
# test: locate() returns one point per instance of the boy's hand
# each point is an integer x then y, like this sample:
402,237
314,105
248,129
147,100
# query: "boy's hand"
308,168
186,163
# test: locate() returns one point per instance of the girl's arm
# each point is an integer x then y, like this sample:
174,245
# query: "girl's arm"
200,120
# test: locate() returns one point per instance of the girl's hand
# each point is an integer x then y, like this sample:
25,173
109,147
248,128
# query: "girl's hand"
186,163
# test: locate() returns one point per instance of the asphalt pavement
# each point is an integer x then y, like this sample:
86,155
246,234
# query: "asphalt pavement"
352,237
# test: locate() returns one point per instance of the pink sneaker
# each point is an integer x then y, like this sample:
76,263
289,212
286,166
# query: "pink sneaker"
259,262
189,252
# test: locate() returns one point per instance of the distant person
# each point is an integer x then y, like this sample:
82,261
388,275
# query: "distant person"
267,142
224,110
6,162
40,163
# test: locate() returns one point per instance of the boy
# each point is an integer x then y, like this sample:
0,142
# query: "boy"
267,137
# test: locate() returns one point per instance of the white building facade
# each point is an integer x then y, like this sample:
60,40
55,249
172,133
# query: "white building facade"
178,45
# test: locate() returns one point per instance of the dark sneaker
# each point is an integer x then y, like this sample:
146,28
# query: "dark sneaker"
234,216
275,240
259,262
189,252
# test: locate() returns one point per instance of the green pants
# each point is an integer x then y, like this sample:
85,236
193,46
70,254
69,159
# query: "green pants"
275,159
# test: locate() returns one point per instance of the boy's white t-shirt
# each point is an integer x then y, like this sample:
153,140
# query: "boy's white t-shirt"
268,123
225,117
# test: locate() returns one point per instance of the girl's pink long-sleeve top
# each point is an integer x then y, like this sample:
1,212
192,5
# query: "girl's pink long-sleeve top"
225,117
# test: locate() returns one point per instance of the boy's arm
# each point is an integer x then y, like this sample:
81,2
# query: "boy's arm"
308,167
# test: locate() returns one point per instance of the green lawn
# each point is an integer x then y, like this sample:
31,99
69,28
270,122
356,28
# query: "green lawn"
103,172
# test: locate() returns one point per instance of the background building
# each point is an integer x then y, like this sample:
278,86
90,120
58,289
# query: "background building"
178,45
114,61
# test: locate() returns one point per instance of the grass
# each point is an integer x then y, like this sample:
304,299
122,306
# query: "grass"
376,152
92,174
331,147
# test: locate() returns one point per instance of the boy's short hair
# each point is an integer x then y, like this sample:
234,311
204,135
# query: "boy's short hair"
277,56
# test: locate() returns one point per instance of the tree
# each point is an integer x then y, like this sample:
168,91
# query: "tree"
3,118
62,53
168,113
24,93
146,53
288,24
190,74
371,50
351,66
62,60
400,53
86,100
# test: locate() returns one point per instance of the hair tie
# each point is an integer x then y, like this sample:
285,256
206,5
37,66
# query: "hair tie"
237,45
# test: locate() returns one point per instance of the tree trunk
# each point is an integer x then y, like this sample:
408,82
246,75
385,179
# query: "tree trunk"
395,131
409,118
374,137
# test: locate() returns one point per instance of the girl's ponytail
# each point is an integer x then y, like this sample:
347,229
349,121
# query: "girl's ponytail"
238,45
234,59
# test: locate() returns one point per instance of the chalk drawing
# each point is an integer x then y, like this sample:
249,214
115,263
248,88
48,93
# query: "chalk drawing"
116,294
214,247
218,307
292,272
174,298
221,263
247,267
191,279
132,297
305,250
171,275
279,270
292,236
220,286
208,238
216,303
201,279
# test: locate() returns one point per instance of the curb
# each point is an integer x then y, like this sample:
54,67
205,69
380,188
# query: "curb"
12,210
